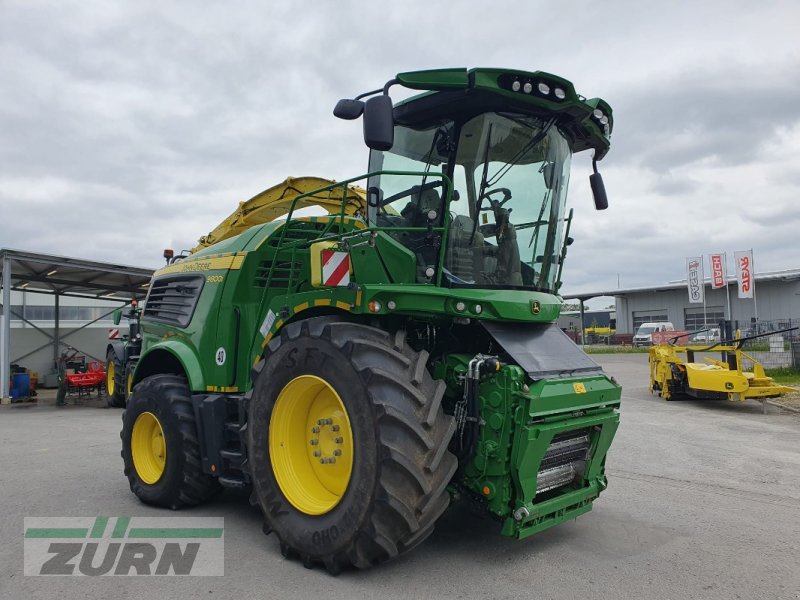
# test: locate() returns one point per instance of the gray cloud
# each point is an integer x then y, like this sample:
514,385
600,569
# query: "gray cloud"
130,126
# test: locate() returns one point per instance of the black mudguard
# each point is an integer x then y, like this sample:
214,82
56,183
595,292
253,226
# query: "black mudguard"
542,350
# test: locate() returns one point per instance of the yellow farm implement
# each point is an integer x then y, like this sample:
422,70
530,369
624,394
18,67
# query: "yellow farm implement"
680,371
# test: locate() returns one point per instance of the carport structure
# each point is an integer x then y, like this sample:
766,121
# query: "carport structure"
60,276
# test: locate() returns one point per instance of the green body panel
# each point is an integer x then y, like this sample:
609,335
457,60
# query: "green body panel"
519,423
257,282
182,349
498,305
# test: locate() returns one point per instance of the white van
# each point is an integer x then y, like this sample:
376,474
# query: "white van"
710,335
643,336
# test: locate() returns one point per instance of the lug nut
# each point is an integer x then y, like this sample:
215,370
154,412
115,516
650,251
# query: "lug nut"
337,452
320,421
322,461
331,460
338,440
317,453
334,428
314,442
315,430
328,421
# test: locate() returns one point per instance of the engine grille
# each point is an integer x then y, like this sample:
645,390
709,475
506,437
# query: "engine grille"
173,299
563,461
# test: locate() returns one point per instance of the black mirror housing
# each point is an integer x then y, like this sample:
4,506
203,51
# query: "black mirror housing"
379,123
598,191
348,109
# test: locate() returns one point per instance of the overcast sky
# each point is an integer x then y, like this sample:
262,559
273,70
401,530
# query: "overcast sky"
127,127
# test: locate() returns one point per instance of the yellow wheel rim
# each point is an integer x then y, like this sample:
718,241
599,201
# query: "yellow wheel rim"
148,448
110,378
311,445
129,384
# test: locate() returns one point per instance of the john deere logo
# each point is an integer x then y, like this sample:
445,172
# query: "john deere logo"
535,307
728,385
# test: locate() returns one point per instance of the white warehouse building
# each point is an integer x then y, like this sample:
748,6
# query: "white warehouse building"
777,300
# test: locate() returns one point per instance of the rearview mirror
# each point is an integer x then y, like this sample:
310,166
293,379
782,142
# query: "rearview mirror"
348,109
116,316
598,189
379,123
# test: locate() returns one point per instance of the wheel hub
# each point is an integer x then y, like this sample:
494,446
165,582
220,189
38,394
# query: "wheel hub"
110,378
148,448
311,444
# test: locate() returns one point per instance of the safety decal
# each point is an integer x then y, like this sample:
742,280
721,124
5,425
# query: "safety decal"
267,324
335,268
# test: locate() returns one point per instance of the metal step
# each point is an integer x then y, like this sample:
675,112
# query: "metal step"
232,426
234,457
232,482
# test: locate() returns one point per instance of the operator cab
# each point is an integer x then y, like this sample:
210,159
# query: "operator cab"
472,176
509,173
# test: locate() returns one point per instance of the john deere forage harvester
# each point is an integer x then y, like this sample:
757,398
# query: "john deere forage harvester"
361,367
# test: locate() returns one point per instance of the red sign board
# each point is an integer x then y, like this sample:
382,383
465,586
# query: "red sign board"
717,271
664,337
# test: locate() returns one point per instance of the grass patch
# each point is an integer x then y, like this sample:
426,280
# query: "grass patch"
785,376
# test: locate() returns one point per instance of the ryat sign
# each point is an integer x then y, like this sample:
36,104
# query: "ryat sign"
94,546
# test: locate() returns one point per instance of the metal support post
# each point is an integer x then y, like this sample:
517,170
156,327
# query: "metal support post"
5,335
56,331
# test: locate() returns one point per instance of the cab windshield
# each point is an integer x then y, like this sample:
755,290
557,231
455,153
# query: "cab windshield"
510,174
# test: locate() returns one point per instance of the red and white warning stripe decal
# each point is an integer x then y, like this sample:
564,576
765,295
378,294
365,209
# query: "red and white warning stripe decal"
113,334
335,268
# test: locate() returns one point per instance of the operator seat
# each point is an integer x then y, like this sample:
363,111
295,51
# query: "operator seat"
467,257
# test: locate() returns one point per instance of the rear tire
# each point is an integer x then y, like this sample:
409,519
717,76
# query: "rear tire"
400,465
182,482
129,369
115,377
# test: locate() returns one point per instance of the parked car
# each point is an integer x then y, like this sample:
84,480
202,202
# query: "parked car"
709,335
643,335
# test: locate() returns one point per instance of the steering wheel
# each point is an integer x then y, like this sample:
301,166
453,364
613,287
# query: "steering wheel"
493,204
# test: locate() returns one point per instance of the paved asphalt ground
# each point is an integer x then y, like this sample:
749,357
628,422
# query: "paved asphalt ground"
703,502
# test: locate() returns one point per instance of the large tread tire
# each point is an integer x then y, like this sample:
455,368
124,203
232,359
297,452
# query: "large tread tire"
183,482
402,464
130,367
115,398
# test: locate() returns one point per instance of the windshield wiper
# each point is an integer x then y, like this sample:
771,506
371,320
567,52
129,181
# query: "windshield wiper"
521,154
484,183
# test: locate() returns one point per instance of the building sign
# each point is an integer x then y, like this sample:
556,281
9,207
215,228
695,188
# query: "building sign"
694,279
718,275
744,272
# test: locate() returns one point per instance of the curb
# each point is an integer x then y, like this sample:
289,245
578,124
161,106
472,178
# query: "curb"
793,409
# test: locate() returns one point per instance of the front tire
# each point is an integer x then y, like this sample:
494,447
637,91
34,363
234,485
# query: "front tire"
115,378
129,369
160,447
399,464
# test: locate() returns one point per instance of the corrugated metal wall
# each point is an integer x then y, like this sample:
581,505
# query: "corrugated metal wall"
776,300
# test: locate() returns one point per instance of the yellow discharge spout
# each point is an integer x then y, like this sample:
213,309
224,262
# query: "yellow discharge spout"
276,201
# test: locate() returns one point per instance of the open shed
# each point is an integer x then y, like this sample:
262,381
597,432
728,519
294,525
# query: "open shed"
60,276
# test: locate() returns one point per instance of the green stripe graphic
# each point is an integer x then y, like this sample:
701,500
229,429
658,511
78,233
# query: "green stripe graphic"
120,527
56,532
99,527
175,532
121,530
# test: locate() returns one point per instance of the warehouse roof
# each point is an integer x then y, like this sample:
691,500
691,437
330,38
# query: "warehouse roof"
65,276
785,275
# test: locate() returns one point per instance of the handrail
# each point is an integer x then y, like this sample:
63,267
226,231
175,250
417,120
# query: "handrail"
340,217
